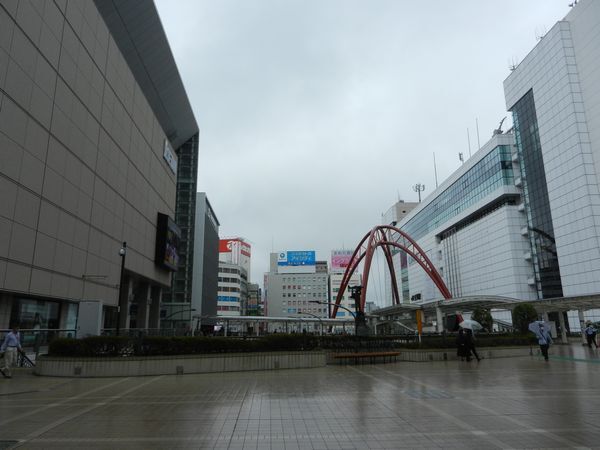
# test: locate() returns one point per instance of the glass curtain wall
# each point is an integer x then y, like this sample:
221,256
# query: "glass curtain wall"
535,193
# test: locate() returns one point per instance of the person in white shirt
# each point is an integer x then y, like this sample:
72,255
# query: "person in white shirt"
10,346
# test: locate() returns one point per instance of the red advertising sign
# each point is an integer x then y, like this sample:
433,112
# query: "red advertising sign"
340,259
234,245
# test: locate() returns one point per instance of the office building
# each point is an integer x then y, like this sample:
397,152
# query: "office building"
232,290
203,303
295,282
471,228
392,217
93,119
254,305
554,97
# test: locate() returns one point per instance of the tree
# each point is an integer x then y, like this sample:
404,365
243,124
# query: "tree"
522,315
484,317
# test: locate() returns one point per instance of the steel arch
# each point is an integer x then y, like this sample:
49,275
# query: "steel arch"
386,237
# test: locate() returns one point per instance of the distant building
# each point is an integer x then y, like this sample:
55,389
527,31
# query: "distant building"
232,290
206,264
393,216
340,259
254,305
294,283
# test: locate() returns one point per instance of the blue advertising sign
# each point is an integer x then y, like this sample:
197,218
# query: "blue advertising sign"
296,258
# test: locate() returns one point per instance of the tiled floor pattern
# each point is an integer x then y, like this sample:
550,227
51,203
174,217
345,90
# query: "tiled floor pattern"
501,403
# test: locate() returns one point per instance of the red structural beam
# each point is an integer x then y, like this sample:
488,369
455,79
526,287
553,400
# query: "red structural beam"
386,237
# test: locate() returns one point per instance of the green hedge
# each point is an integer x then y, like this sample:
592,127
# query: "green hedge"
111,346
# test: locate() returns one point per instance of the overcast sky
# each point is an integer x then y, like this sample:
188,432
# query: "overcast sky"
315,116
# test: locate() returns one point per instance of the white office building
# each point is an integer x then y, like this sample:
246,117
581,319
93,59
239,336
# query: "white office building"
471,228
294,283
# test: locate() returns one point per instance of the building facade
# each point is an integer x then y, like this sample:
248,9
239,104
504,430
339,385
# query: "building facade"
232,290
203,304
254,305
554,97
392,217
472,229
88,160
340,259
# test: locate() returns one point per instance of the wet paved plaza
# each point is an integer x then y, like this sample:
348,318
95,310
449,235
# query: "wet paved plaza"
499,403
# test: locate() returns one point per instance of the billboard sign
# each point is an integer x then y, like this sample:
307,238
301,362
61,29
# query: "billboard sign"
340,260
296,262
168,237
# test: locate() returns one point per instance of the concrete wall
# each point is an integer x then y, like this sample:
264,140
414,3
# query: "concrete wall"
177,365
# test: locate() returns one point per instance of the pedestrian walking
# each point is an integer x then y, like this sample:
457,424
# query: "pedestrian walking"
461,345
590,334
470,343
10,346
544,339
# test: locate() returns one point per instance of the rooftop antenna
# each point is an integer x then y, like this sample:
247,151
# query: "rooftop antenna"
435,172
419,188
469,141
512,64
477,126
460,157
499,129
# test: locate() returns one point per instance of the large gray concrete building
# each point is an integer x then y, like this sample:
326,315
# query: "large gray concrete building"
94,120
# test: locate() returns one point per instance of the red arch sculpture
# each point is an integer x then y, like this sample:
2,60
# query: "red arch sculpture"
386,237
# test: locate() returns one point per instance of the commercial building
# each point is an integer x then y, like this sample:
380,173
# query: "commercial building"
392,217
255,305
232,290
94,123
554,95
471,228
520,219
295,281
340,259
203,304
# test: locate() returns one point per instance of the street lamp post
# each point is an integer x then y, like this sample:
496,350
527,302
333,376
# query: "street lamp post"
321,302
122,253
319,318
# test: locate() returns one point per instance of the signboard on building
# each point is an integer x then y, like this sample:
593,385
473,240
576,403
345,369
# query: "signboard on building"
296,262
168,237
170,157
340,259
237,246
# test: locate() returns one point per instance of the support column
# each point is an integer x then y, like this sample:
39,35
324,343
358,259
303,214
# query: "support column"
439,319
155,299
143,299
563,328
124,304
582,326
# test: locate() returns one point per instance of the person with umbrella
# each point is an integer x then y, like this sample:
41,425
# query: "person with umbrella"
590,334
469,326
542,332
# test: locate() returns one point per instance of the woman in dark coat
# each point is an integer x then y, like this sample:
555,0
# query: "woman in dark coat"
470,344
461,345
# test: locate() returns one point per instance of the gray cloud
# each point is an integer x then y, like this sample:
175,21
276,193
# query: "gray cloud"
314,115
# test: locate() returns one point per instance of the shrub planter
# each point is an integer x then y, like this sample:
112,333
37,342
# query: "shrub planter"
60,366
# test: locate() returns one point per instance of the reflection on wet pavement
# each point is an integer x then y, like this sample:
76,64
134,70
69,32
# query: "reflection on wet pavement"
498,403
